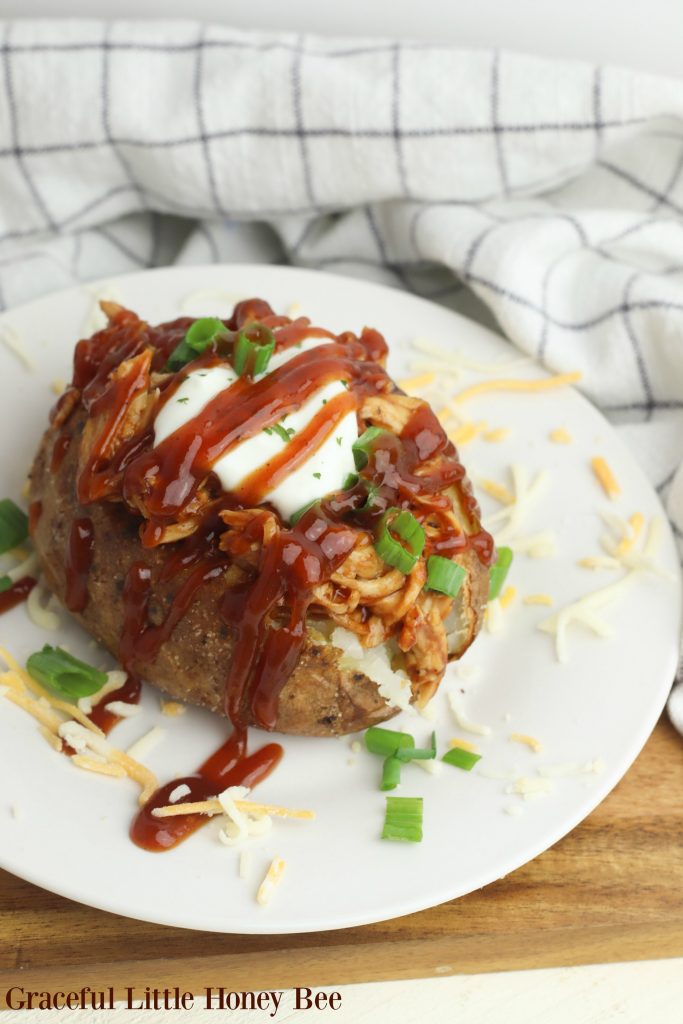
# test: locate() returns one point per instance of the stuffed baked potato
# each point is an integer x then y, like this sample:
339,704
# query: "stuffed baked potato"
250,515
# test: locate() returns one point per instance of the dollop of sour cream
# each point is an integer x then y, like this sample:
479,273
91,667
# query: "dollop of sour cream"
324,471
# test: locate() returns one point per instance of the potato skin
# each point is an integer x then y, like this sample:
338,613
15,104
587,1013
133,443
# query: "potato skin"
319,699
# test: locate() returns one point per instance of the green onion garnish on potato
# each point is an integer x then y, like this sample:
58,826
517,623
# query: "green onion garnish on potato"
402,554
13,525
499,571
253,349
361,447
443,575
199,336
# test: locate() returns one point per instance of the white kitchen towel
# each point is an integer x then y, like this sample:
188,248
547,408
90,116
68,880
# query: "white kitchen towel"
547,194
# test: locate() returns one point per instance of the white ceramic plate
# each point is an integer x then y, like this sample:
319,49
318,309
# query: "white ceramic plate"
69,829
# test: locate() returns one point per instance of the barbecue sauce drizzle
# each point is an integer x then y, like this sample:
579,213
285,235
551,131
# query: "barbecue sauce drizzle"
267,610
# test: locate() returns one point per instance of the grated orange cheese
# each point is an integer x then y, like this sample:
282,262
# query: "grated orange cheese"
273,878
527,741
545,599
466,432
498,491
518,384
212,807
422,380
172,708
636,522
496,435
508,596
605,477
463,744
89,764
560,436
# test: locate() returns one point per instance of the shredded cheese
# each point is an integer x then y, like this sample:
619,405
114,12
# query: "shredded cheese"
605,477
456,741
529,787
527,741
456,362
599,562
172,708
498,491
465,433
560,380
211,807
544,599
462,720
123,709
142,747
496,435
54,741
57,386
90,764
508,596
560,436
272,879
12,341
422,380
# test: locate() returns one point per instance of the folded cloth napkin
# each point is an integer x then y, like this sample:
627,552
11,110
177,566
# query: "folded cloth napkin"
544,194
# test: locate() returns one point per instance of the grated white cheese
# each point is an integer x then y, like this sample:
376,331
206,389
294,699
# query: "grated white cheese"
454,699
36,606
530,786
450,359
147,743
245,864
123,709
178,793
240,824
13,341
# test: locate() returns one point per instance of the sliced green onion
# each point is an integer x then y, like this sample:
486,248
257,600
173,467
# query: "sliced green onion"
199,336
372,492
280,431
460,758
392,551
5,584
60,671
418,753
350,481
499,571
403,819
253,349
444,575
391,773
386,741
13,525
294,519
362,446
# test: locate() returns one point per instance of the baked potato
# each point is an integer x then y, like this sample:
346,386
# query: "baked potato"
281,589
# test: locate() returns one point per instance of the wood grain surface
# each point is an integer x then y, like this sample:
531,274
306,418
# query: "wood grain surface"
611,890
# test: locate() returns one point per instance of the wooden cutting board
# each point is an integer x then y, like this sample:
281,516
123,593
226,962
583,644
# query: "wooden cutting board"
611,890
